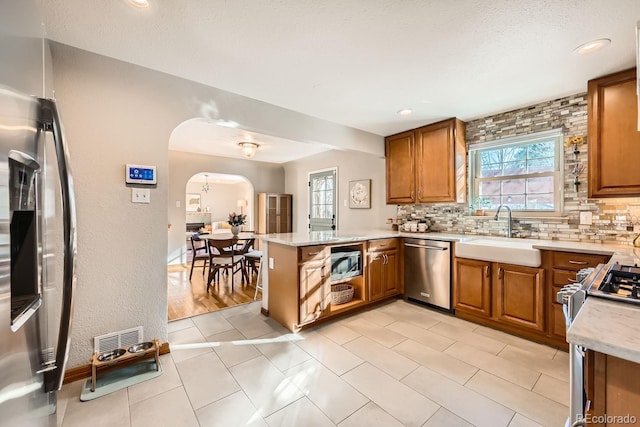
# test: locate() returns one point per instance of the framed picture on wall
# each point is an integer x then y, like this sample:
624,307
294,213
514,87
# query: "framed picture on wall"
360,194
193,202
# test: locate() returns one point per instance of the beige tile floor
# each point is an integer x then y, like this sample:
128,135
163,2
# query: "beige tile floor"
397,364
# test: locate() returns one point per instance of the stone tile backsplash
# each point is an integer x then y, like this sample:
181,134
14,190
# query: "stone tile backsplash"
614,220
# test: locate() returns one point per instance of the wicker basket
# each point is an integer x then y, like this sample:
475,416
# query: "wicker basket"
341,293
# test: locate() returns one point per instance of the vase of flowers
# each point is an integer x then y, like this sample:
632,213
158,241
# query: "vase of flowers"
235,221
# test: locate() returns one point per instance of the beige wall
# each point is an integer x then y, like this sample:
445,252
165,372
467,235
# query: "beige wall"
351,166
116,113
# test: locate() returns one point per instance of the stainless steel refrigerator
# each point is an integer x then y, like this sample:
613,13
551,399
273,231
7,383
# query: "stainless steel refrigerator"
37,234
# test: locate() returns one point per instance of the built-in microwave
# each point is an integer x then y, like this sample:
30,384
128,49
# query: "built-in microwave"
345,263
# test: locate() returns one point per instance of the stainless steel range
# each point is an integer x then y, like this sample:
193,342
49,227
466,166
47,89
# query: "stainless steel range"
620,283
616,282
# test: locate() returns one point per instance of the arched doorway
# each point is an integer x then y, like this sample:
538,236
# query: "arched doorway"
209,198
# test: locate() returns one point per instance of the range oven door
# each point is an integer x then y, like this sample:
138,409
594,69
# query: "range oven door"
578,400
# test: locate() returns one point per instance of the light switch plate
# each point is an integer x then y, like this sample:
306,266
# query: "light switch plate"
140,195
586,218
271,263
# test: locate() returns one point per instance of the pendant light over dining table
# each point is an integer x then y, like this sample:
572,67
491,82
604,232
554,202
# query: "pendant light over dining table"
248,148
206,187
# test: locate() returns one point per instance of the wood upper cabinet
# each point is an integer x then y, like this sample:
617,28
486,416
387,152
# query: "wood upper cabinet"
519,296
382,269
427,164
399,150
472,291
613,136
315,285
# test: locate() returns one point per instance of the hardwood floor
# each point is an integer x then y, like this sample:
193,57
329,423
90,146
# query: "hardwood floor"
189,298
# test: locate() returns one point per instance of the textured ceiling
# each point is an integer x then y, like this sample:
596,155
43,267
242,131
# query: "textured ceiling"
357,62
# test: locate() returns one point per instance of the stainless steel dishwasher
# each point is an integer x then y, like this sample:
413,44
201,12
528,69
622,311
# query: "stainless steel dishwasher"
427,272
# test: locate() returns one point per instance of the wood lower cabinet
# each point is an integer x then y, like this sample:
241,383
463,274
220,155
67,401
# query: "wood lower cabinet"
613,386
519,296
517,299
500,294
315,288
562,268
613,136
472,293
427,164
383,269
299,289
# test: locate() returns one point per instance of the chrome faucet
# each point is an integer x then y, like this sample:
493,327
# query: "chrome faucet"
509,220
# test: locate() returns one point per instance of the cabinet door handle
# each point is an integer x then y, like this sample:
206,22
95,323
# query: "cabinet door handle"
313,253
500,273
420,194
386,258
578,262
412,194
486,271
322,271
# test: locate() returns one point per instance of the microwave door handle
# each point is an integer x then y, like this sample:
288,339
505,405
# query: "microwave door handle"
51,122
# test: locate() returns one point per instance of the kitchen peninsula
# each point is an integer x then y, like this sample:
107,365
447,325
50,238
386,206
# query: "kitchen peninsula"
300,273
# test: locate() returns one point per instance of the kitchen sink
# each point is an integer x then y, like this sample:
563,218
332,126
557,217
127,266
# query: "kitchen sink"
508,251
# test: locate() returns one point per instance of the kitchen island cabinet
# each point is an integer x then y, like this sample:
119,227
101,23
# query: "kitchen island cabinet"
383,268
427,164
299,281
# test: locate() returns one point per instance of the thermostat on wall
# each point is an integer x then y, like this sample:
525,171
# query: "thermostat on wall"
139,174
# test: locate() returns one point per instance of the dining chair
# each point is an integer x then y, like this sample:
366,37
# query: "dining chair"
224,256
200,253
251,258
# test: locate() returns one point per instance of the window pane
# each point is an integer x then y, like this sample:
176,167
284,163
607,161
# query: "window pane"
491,170
511,154
540,185
514,201
514,168
541,165
489,157
513,186
541,149
541,201
489,188
328,197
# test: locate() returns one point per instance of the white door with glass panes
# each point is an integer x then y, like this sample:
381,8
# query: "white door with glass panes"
322,200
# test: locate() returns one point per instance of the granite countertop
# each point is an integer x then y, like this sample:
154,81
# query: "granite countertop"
602,325
608,327
346,236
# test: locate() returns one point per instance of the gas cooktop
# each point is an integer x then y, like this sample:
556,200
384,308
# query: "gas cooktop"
620,282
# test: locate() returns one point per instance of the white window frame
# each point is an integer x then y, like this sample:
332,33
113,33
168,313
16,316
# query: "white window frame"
531,138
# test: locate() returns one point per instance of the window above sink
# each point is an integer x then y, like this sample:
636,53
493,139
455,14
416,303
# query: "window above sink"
522,172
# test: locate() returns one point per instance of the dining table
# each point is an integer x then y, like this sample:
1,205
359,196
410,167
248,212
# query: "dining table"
238,242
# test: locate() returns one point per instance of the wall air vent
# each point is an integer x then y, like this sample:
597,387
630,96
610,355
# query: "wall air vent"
120,339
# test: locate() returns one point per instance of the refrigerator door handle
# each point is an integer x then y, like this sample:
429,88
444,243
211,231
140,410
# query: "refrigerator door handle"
51,122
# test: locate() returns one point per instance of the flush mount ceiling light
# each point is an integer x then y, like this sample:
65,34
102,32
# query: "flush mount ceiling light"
206,187
139,3
404,112
248,148
592,46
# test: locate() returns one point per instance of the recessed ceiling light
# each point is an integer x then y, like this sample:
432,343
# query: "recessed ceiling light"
139,3
592,46
404,112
